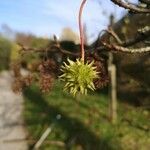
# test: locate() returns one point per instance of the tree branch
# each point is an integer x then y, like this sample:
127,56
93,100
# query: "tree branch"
114,47
131,7
142,34
51,48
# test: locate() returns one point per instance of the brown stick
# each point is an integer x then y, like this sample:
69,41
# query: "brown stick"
31,141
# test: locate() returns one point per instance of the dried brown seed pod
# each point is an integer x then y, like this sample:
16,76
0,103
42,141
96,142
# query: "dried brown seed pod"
46,69
46,82
47,66
103,73
17,85
16,69
101,68
28,80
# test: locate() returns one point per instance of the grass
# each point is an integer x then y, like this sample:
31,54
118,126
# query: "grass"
84,124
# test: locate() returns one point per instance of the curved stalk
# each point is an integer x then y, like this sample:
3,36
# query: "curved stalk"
81,30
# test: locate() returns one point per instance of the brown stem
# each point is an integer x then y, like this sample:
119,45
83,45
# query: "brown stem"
81,30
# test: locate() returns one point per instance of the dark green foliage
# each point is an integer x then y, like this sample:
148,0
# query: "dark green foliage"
84,124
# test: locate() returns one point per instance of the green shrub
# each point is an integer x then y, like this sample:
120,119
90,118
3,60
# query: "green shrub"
5,49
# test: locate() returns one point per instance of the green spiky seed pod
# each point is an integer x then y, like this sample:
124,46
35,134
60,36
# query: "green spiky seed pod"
78,76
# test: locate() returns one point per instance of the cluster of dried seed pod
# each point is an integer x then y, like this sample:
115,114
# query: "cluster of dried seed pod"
20,81
46,82
28,80
46,69
101,67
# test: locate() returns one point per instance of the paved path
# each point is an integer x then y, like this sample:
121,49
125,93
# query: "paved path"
12,132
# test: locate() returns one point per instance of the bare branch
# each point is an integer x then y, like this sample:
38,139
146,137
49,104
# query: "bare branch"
142,34
52,48
145,1
127,50
113,34
29,49
65,51
131,7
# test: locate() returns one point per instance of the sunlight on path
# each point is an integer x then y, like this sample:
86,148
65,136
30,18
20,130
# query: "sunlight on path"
12,132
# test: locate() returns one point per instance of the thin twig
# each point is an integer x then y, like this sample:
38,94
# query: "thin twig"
127,50
116,37
131,7
51,48
142,34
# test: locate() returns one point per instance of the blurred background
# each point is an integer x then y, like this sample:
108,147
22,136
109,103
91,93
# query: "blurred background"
56,120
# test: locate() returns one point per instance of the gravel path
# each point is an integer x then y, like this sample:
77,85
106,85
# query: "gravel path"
12,132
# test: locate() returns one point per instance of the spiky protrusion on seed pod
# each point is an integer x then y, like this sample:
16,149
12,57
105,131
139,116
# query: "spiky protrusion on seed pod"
78,76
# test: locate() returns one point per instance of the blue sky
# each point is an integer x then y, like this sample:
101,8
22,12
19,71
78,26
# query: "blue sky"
48,17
